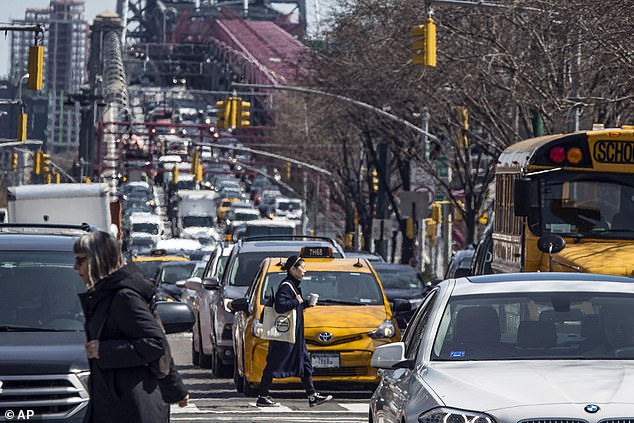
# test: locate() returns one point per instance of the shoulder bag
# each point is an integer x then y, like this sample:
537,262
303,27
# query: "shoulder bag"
279,326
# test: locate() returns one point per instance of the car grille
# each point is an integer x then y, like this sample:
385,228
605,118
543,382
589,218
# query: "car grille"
49,397
336,341
553,420
341,371
619,420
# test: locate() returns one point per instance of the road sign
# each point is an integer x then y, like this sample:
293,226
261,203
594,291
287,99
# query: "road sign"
413,204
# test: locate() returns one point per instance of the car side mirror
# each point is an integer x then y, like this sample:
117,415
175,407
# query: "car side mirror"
239,304
211,283
400,304
175,316
195,284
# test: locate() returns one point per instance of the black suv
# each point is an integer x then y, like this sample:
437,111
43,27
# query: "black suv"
241,267
43,364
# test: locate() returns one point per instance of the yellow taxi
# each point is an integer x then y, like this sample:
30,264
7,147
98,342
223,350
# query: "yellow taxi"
351,319
223,207
151,263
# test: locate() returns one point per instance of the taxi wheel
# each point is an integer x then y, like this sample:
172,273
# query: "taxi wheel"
248,389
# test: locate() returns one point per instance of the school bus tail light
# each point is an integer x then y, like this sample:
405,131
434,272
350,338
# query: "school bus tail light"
574,155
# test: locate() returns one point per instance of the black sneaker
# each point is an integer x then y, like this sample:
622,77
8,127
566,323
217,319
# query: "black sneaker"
317,399
265,402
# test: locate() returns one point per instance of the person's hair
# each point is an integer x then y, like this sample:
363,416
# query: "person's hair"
293,261
103,254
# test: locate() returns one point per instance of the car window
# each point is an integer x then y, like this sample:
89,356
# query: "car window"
400,279
172,274
39,290
537,326
350,288
243,268
414,332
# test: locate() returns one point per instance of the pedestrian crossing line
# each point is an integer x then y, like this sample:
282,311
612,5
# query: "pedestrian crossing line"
356,407
269,418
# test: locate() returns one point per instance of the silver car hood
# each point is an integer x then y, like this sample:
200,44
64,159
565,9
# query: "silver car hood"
496,385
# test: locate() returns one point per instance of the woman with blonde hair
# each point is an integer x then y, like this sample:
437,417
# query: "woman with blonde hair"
123,337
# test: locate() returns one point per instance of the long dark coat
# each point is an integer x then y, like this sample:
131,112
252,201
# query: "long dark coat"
122,388
283,358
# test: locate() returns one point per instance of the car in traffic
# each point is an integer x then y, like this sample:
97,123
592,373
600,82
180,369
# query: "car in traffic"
460,264
516,347
170,279
150,264
43,365
402,281
352,317
209,339
215,319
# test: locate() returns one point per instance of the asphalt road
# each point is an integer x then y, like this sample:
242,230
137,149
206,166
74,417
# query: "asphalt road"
216,400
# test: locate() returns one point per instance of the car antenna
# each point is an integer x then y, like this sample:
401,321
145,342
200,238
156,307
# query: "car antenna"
358,263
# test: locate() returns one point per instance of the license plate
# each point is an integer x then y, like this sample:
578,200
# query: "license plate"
324,361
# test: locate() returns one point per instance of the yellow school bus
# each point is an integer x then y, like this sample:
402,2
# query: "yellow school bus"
566,203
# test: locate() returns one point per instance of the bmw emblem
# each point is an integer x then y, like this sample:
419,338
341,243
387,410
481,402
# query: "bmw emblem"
591,408
325,337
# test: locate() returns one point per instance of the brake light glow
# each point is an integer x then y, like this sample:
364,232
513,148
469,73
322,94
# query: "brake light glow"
557,154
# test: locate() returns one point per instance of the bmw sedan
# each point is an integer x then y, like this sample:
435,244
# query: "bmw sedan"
526,347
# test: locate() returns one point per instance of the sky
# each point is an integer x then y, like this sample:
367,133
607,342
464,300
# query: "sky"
11,9
14,9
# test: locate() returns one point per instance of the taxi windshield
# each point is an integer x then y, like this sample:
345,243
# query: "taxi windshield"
537,326
334,288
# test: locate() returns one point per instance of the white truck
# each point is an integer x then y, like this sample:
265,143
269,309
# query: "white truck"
70,203
196,209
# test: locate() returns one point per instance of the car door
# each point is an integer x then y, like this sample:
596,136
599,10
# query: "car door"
397,385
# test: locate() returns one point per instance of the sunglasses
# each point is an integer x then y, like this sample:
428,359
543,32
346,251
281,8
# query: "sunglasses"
80,259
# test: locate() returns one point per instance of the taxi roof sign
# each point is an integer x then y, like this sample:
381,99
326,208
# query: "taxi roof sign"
316,252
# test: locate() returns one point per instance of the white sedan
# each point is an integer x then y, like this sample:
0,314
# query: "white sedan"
509,348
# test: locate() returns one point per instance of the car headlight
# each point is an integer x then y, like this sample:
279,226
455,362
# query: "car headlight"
385,330
258,329
225,304
83,378
452,415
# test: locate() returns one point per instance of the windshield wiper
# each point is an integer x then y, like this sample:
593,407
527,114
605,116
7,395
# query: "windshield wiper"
21,328
610,230
329,301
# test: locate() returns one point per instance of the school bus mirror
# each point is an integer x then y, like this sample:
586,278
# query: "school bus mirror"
521,196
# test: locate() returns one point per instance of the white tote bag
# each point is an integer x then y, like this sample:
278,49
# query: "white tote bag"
279,326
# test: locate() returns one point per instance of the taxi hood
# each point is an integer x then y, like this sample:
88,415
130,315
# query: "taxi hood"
485,385
334,316
595,257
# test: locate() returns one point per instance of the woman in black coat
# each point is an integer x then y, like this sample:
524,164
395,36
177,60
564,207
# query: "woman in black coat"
123,336
285,359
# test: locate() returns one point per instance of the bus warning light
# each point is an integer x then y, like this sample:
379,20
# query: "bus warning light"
574,155
557,154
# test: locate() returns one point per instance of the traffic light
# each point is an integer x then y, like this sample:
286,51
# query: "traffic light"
46,163
221,114
37,162
175,174
244,118
424,44
233,112
288,171
58,177
195,161
463,115
35,67
22,121
198,173
375,180
14,161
